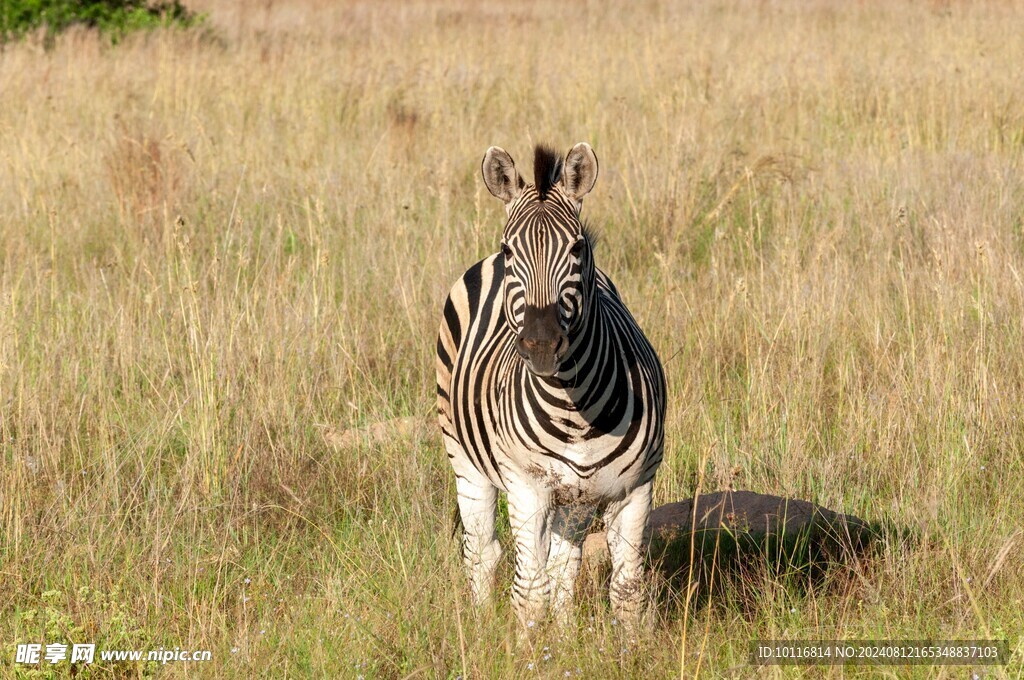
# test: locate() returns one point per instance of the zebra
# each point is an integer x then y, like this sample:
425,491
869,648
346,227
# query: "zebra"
548,390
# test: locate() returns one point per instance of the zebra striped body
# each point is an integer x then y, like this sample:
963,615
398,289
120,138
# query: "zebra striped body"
549,391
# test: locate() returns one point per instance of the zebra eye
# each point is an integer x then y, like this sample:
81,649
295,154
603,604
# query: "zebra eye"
506,251
577,248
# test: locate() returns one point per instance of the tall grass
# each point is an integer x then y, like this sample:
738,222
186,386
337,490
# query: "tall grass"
219,255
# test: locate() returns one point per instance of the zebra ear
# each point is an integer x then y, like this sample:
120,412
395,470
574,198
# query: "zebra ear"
500,175
580,171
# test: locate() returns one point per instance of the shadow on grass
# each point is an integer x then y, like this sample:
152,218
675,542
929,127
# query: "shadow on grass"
732,546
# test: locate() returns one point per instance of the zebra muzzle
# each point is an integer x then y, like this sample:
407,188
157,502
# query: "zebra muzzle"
542,344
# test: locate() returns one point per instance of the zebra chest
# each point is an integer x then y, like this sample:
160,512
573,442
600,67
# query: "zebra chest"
572,471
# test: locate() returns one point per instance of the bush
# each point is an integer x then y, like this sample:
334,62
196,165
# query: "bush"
114,18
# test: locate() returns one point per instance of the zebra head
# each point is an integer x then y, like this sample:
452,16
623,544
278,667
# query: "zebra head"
549,265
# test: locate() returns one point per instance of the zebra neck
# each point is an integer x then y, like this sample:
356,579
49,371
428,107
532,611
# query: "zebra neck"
588,352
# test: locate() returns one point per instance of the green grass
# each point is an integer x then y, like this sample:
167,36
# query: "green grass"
218,257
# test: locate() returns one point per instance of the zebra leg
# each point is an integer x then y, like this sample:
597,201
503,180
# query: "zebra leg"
528,514
480,548
626,522
569,526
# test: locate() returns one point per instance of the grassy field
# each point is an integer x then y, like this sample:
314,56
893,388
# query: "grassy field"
223,250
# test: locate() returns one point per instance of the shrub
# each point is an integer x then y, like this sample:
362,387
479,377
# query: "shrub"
114,18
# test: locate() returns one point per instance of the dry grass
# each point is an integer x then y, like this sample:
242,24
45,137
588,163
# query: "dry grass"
217,249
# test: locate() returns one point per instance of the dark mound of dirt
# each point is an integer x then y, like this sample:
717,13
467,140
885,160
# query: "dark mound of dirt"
729,531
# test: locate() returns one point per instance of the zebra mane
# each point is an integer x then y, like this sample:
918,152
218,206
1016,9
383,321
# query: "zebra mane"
590,235
547,169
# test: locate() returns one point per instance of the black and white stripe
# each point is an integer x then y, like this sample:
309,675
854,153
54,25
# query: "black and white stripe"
548,390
